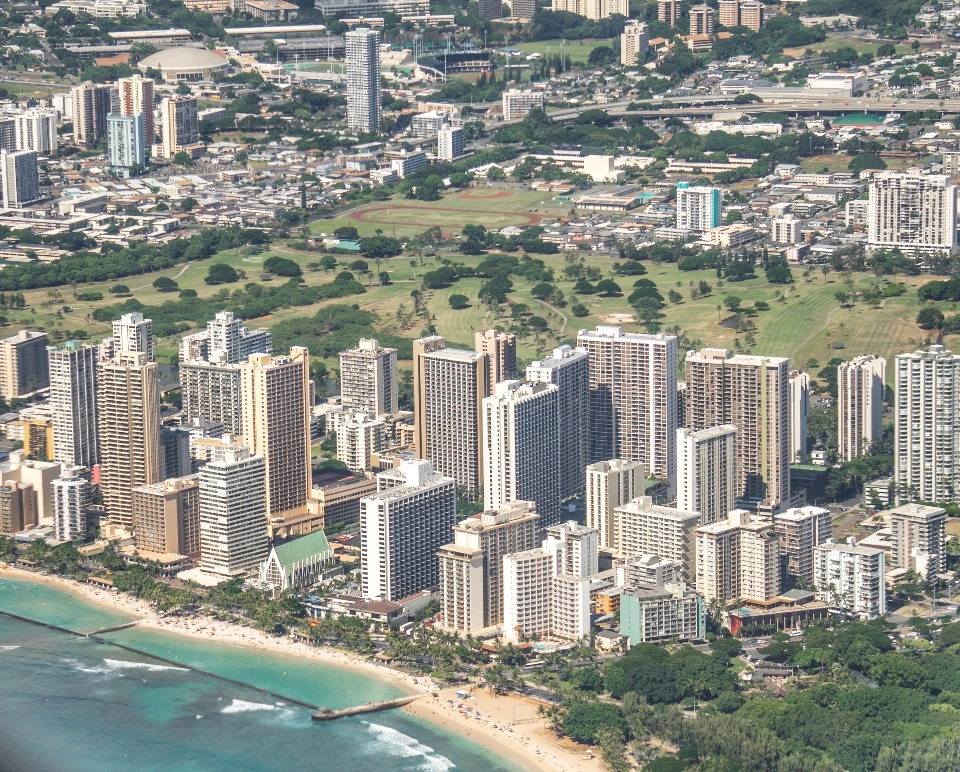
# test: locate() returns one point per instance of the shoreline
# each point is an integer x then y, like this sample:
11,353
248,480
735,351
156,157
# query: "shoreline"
527,746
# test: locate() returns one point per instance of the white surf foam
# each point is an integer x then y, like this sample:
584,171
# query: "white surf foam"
8,648
123,664
243,706
395,743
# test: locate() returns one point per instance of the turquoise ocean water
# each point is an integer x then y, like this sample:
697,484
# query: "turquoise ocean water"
74,705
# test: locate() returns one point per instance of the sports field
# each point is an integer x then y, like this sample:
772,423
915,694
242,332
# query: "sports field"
573,50
492,207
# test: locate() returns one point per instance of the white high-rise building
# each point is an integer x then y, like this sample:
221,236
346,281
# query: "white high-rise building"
450,143
569,369
233,513
611,484
785,230
633,398
518,103
521,447
71,496
917,539
471,568
91,105
698,208
751,393
73,397
225,341
575,549
363,80
126,141
402,527
927,435
738,558
634,43
179,126
359,435
861,387
850,576
799,412
649,529
706,471
37,130
368,378
799,531
912,212
21,178
133,333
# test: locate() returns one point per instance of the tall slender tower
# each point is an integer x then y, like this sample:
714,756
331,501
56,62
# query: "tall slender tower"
180,127
611,484
799,412
128,402
136,98
368,379
73,396
91,104
276,425
569,369
752,394
501,349
449,386
131,332
363,80
926,456
633,398
706,471
521,447
861,385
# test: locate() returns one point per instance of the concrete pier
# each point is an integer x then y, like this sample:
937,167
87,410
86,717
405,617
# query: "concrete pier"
326,714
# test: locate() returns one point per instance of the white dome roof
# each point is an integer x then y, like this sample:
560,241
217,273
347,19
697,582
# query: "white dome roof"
183,58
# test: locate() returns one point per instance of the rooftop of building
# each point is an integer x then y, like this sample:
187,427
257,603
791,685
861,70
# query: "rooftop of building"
304,548
184,57
645,504
921,511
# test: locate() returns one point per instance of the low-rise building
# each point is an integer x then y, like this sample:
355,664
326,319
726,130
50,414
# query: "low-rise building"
850,576
297,563
657,614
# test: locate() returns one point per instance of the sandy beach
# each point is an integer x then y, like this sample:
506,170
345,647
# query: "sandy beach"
508,725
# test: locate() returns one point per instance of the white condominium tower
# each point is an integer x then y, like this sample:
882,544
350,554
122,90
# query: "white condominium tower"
633,398
368,378
363,80
706,471
131,332
649,529
179,126
569,369
275,391
850,576
71,496
521,448
212,391
21,178
359,436
799,412
471,568
917,539
927,435
634,43
91,104
698,208
402,527
136,98
449,386
574,548
912,212
611,484
233,513
73,397
36,129
128,403
738,558
861,387
752,394
501,351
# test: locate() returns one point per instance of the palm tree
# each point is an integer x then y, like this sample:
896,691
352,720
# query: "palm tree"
719,311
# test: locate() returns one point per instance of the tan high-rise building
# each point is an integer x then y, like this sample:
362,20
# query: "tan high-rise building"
752,394
649,529
24,367
368,379
701,20
128,404
634,42
729,13
633,398
166,516
917,539
179,126
275,391
91,103
611,484
751,15
799,412
471,568
449,386
18,507
706,471
136,98
799,530
738,558
501,350
668,11
861,387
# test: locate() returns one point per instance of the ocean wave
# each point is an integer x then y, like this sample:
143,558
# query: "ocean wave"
395,743
8,648
124,664
243,706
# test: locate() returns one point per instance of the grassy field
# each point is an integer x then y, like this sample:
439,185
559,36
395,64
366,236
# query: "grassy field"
492,207
574,50
808,325
843,40
840,163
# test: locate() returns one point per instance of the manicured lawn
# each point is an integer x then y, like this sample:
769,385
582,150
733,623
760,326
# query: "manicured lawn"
836,41
840,163
574,50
